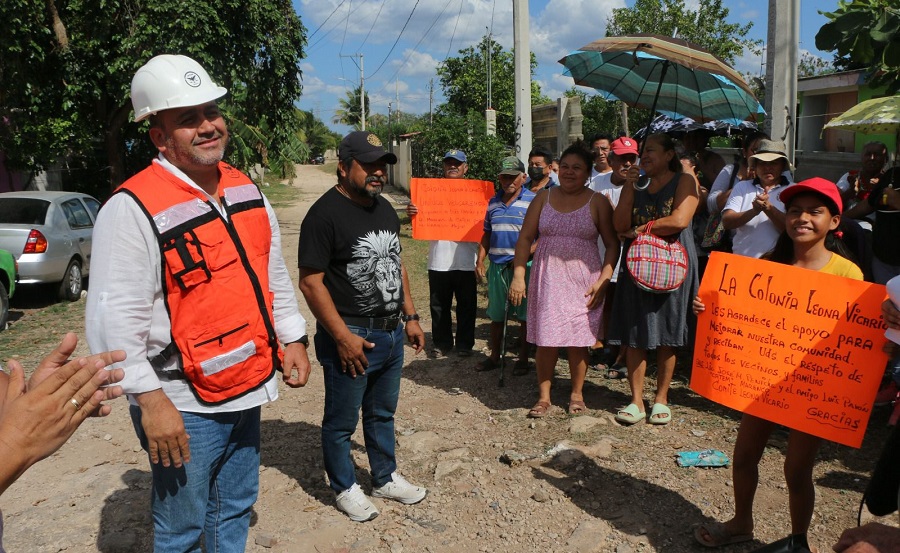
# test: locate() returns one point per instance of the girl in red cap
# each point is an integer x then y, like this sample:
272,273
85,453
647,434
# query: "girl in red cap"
810,240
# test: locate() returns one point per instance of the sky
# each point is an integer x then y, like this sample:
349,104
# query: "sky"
403,41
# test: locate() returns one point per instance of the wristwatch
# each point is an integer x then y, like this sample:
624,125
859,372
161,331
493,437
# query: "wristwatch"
303,340
407,318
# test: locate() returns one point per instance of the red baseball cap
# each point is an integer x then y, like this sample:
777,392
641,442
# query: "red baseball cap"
816,184
623,146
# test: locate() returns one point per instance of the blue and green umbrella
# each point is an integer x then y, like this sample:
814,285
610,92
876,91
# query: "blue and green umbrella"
666,75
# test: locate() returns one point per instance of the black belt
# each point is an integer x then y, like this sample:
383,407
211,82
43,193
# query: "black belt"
375,323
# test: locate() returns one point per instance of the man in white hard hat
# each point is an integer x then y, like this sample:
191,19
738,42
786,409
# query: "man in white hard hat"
189,280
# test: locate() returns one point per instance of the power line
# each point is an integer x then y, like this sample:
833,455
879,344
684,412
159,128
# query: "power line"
373,25
326,20
398,39
433,23
323,37
346,24
452,36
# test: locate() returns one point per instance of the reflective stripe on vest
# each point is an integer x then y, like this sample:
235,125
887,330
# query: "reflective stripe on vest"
215,279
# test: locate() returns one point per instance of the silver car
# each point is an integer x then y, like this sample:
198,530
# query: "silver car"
49,233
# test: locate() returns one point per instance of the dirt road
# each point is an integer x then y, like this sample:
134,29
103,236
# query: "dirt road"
498,482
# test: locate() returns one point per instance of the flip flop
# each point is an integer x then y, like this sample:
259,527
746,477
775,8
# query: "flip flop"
718,535
486,365
576,407
630,415
617,371
660,414
539,410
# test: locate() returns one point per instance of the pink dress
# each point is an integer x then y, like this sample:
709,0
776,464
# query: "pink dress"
566,264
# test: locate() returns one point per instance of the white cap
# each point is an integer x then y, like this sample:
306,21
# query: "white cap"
167,82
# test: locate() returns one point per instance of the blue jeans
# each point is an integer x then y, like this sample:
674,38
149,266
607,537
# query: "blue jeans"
214,493
375,392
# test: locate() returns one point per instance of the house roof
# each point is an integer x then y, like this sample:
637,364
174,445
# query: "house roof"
833,82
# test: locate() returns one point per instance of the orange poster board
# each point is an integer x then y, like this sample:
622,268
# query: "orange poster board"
793,346
450,209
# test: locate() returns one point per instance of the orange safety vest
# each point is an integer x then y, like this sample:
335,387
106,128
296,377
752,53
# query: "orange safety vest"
215,280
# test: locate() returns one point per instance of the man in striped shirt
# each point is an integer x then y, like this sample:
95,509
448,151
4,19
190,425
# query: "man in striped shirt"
505,215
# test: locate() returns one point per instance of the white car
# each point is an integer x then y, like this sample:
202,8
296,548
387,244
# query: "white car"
49,233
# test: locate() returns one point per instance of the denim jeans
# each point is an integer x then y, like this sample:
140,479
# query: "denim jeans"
214,493
375,392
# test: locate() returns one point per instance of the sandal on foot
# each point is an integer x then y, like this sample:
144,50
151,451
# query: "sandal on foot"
660,414
617,372
539,410
521,368
796,543
630,415
576,407
717,535
486,365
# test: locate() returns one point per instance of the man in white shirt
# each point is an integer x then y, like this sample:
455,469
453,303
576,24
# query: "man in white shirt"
191,284
600,172
451,272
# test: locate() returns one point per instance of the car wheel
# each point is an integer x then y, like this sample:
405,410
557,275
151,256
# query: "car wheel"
4,307
71,285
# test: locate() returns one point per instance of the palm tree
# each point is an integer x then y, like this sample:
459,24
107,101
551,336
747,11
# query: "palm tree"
348,113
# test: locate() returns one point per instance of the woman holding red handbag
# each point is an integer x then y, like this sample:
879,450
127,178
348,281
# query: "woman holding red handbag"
644,319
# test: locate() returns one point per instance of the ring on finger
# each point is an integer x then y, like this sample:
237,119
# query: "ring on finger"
74,402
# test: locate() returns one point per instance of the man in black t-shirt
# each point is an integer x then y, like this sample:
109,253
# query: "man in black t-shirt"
354,282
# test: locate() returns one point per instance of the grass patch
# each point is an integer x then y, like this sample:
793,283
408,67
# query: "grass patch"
280,194
38,331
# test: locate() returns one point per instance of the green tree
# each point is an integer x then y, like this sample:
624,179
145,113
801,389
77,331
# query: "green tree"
464,82
865,35
66,71
707,26
349,110
389,128
468,133
315,134
813,66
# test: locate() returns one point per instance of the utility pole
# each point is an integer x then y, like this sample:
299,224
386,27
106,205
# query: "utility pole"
430,102
362,88
522,78
782,59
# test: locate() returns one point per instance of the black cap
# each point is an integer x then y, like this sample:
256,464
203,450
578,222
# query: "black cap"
364,147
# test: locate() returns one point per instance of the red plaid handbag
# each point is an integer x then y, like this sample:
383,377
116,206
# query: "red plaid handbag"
656,264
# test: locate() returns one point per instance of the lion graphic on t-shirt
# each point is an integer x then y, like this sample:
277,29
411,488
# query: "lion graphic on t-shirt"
375,272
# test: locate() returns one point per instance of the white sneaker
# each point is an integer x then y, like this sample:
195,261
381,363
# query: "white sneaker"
400,490
355,503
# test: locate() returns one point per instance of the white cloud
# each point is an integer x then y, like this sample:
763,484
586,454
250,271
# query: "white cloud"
566,25
416,64
307,67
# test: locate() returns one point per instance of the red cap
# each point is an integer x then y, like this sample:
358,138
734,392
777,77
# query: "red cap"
817,185
623,146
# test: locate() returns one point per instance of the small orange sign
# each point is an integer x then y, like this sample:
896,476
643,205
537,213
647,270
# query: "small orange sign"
793,346
450,209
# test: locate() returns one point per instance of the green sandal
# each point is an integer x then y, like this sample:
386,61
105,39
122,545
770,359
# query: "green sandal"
660,414
630,415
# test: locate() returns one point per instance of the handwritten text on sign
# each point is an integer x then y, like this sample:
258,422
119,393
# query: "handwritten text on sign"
450,209
796,347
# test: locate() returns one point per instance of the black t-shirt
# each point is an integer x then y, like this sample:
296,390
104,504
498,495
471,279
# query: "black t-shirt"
886,229
358,248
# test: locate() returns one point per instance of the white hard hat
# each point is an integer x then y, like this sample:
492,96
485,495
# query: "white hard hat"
167,82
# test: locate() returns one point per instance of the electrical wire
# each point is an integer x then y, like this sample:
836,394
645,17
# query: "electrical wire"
416,47
346,25
373,24
396,41
453,35
326,20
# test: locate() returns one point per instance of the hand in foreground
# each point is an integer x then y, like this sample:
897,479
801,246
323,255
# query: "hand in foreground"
480,271
411,209
891,314
36,422
596,294
59,357
415,336
698,306
873,537
167,440
296,359
517,291
351,352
